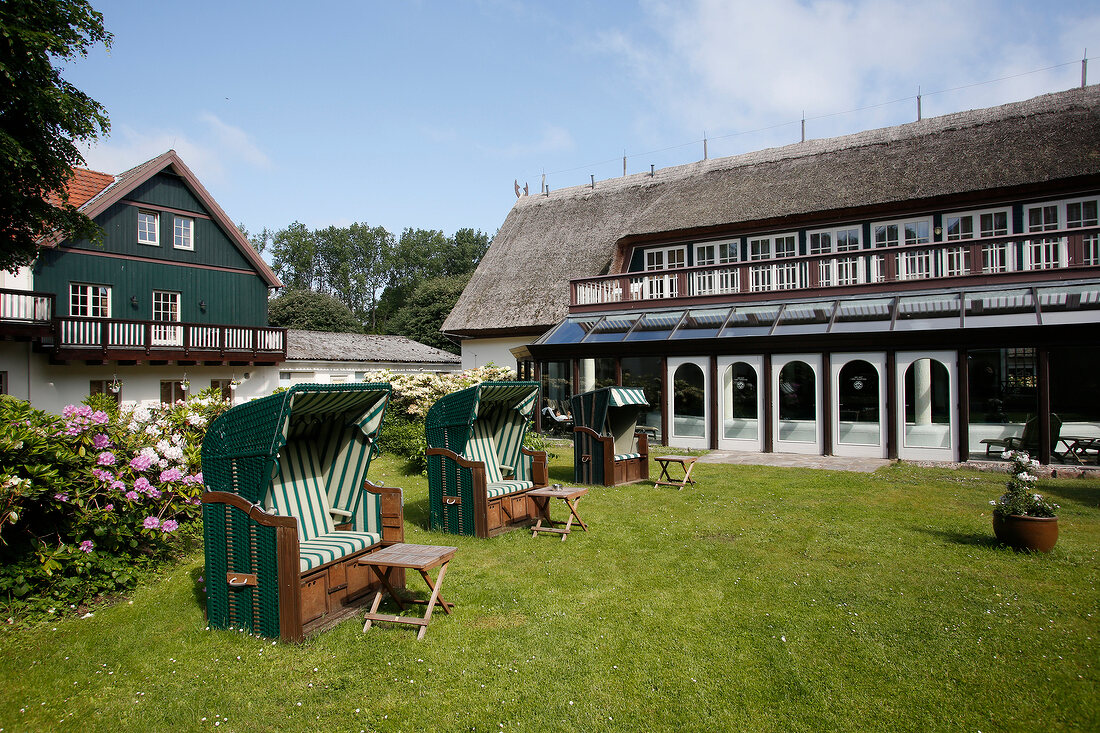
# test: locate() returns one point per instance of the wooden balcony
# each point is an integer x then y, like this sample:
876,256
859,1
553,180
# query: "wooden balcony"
113,339
25,315
1013,259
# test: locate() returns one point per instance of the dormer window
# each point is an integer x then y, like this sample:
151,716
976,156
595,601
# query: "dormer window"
148,228
183,233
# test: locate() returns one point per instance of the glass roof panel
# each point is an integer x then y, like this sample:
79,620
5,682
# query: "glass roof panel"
1069,303
656,326
702,324
805,318
611,328
572,330
751,320
915,311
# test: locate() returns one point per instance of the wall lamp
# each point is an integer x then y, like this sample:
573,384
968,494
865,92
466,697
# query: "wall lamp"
133,301
202,305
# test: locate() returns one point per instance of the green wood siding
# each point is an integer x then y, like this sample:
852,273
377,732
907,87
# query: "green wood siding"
232,298
212,246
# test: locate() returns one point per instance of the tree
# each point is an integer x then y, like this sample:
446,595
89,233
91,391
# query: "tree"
42,117
311,311
423,312
294,256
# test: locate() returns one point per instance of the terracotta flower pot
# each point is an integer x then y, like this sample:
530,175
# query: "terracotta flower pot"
1026,533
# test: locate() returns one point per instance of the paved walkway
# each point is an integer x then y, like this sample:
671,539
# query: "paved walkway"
795,460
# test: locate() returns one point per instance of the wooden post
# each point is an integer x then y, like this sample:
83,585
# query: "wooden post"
892,405
767,419
963,370
826,405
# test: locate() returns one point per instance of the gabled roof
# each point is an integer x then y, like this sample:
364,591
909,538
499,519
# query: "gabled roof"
325,346
522,283
99,191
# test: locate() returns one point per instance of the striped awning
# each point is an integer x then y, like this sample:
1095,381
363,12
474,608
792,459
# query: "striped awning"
520,396
622,396
366,403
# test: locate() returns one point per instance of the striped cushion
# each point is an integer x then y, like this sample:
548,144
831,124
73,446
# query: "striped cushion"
626,456
297,491
500,488
481,447
332,546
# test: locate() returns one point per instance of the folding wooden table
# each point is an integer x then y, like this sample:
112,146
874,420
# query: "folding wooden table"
686,462
571,495
414,557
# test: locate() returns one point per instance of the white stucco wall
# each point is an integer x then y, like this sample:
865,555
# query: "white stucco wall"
481,352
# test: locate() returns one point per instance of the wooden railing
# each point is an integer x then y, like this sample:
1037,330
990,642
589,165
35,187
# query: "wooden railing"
762,279
26,307
109,335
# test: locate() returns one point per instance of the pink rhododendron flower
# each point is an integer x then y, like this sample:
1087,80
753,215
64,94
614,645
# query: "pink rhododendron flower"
142,485
102,475
101,441
153,493
151,523
140,462
86,546
171,474
169,525
109,507
118,485
106,458
133,495
61,497
99,417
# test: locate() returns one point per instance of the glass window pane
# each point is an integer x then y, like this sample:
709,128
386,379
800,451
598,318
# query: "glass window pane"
1003,390
688,403
655,326
797,403
751,320
572,330
858,396
702,323
611,328
645,372
927,412
740,386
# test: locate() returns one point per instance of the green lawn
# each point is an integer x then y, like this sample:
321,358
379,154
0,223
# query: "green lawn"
764,599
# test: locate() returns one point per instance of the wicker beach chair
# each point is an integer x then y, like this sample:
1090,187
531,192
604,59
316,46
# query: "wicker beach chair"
288,510
608,448
478,469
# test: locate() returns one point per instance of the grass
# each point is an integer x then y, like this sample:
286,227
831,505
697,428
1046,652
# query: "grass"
765,599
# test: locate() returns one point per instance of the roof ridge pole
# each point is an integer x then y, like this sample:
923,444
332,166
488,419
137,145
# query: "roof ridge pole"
704,144
543,185
624,163
918,103
803,125
592,177
1084,68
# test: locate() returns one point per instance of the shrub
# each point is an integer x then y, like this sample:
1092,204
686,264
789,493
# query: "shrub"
89,497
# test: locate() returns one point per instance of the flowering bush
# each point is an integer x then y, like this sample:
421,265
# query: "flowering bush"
413,395
1020,497
88,497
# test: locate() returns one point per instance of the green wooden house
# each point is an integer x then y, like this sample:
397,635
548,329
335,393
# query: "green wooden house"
171,298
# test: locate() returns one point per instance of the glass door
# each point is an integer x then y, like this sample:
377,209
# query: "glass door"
741,403
859,404
166,308
687,403
927,405
796,403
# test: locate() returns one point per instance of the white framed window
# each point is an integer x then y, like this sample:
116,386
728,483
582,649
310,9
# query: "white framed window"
1084,213
720,280
183,230
777,276
166,309
89,301
148,228
663,258
1044,253
963,225
902,232
338,378
765,248
837,270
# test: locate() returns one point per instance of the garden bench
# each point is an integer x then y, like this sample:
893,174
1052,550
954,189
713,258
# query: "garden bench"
289,513
608,446
478,470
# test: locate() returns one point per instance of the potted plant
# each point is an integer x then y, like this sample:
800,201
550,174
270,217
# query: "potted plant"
1022,518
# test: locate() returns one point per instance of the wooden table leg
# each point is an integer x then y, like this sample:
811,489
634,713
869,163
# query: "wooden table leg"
573,510
543,511
434,597
687,475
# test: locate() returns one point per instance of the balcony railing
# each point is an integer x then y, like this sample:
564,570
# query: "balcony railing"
115,338
1010,257
26,307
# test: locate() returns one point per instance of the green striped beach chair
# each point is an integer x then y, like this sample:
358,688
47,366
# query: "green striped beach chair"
289,512
478,470
607,447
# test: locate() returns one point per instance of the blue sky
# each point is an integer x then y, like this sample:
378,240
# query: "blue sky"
422,114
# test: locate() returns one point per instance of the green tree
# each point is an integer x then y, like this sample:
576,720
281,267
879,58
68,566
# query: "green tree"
42,117
294,257
311,311
372,249
422,314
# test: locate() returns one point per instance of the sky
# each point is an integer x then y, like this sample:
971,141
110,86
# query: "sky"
424,114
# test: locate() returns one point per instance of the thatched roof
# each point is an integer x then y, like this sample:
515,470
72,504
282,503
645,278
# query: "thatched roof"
522,282
326,346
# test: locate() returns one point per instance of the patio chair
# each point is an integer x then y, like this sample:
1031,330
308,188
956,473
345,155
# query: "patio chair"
608,446
288,512
1029,439
478,470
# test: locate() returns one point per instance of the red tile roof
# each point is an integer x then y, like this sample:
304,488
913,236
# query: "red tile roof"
85,185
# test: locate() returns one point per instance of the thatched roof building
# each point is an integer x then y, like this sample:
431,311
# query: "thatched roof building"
522,285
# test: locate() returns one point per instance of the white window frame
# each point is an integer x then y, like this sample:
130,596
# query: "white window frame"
847,269
1044,253
1000,257
975,217
719,280
143,234
900,235
85,302
187,238
656,259
166,331
777,275
1092,241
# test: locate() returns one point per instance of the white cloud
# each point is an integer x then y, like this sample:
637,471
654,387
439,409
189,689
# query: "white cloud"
206,148
730,66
